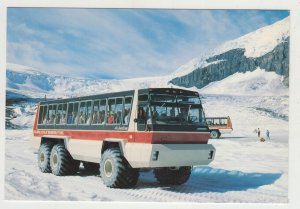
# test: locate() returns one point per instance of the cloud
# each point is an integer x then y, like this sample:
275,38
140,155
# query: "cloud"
120,43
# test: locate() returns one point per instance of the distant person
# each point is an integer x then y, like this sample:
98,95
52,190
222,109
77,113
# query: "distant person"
258,132
110,118
126,118
141,114
268,134
95,117
63,119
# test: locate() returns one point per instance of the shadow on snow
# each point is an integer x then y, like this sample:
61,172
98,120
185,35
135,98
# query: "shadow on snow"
207,179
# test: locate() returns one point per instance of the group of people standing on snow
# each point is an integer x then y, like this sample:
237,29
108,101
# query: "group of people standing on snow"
258,133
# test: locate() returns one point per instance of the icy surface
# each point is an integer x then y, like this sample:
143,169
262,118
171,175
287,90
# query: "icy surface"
244,169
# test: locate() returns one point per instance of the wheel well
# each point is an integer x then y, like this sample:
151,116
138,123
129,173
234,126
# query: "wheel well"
52,141
108,145
215,130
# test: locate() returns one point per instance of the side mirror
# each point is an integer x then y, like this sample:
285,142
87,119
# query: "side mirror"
135,120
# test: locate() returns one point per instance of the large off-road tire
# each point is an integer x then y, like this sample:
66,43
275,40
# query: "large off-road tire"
61,161
215,134
44,157
172,176
91,167
115,171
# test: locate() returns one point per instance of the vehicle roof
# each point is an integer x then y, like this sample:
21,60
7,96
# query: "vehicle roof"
124,93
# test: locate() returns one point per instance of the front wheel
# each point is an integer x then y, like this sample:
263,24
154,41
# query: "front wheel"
172,176
215,134
115,171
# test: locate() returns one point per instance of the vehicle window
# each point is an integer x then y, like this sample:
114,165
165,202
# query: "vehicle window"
89,112
142,116
51,114
85,113
96,113
111,115
127,110
58,115
42,115
194,115
163,98
63,119
72,117
143,97
189,100
82,113
119,110
223,121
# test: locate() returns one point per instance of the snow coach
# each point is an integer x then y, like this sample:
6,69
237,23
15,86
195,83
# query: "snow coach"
163,129
218,126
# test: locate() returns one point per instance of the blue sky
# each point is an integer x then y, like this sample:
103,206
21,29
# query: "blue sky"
122,43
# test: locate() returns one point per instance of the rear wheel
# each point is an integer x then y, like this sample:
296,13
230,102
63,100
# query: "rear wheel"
61,161
115,170
172,176
44,157
214,134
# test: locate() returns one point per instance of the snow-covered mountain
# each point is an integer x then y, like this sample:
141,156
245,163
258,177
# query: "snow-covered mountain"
266,48
28,82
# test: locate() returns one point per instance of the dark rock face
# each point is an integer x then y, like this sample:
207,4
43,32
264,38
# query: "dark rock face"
234,61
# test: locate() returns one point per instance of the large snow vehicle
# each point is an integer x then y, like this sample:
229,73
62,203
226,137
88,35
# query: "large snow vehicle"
218,126
159,128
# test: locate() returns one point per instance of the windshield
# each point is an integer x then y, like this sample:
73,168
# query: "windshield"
171,109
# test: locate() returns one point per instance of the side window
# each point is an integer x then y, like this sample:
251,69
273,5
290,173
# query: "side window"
127,110
194,115
119,110
70,114
96,113
45,114
58,114
76,112
42,115
61,117
102,111
72,117
208,121
82,112
89,112
98,116
143,97
111,108
223,121
51,114
142,117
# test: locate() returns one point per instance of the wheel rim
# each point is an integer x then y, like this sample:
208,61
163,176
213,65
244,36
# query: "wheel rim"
108,168
55,160
42,158
214,134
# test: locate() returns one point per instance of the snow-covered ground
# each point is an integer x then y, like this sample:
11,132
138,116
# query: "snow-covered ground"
244,169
